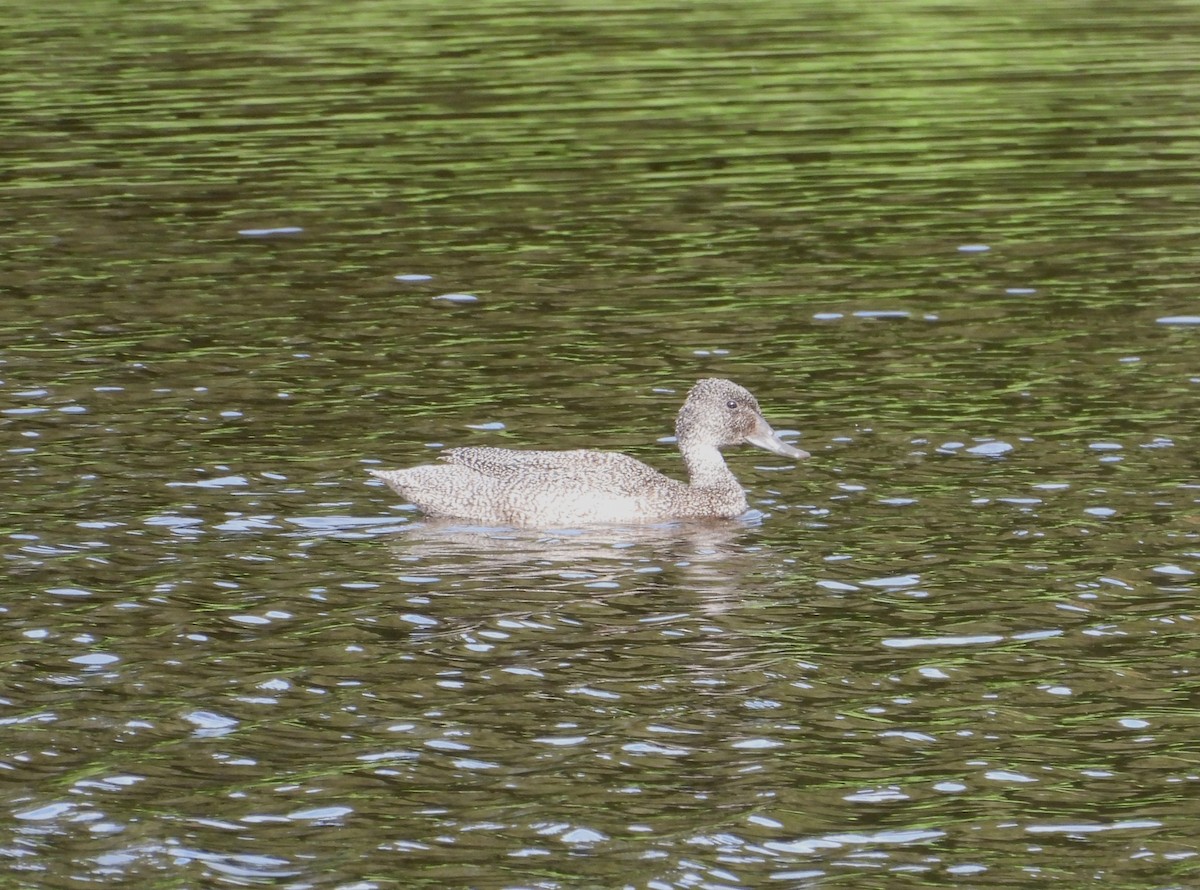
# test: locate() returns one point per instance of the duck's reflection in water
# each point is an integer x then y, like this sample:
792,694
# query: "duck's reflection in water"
704,560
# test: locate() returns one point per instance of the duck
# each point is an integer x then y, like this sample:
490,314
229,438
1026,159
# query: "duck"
581,487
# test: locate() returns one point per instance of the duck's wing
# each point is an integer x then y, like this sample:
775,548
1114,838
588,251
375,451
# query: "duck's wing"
595,470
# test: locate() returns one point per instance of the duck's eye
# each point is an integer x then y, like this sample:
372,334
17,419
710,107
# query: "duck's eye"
731,404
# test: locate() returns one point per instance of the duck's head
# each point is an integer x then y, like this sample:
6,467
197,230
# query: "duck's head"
721,413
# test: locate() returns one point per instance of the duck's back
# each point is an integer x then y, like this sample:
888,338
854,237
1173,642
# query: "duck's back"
607,471
539,487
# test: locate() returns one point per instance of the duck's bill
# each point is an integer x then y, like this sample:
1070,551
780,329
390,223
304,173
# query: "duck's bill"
765,438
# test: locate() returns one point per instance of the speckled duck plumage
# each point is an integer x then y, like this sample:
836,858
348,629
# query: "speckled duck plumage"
567,488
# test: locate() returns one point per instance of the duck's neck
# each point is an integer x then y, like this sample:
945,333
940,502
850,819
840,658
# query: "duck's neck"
705,466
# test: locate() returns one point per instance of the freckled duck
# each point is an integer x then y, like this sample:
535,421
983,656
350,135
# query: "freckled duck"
567,488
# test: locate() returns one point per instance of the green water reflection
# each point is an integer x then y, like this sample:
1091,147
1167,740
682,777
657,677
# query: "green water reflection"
951,243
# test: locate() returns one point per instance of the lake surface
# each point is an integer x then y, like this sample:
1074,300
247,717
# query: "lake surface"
252,250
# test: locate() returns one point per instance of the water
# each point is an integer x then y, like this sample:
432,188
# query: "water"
253,250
